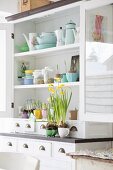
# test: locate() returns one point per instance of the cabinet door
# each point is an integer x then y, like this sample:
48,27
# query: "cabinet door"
6,51
98,60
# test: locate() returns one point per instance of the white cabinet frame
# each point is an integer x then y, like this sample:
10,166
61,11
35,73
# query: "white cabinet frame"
95,117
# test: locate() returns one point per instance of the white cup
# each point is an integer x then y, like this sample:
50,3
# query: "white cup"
32,41
63,132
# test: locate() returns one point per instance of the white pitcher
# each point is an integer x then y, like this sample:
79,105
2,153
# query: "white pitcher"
60,37
31,41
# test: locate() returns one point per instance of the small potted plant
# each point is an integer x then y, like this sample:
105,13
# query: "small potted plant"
60,98
57,77
63,75
73,73
38,109
51,127
44,110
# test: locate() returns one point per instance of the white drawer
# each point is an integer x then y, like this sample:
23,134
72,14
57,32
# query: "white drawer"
29,126
43,148
40,128
17,126
8,145
25,146
60,149
23,125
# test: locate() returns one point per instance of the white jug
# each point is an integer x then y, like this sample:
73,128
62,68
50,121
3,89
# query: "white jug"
60,37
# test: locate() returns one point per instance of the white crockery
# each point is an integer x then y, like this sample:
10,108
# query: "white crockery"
63,132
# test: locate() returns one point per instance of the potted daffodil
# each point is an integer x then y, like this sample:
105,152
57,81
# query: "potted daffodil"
60,97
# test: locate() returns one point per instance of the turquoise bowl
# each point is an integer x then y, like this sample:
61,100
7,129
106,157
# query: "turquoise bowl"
47,38
63,78
72,77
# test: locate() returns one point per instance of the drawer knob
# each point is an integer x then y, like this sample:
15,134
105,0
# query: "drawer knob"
73,129
42,148
42,126
9,144
17,125
61,150
28,126
25,146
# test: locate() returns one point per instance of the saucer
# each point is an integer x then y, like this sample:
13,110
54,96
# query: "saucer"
43,46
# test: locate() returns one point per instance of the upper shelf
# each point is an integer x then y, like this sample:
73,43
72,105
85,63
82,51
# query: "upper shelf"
49,51
39,10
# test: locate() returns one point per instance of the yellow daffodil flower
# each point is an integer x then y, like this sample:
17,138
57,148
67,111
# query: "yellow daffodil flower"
57,79
51,90
60,86
62,92
50,85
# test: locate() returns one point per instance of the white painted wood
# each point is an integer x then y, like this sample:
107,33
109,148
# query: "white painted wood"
39,129
49,12
25,146
57,150
98,117
99,130
44,85
47,160
49,21
97,105
23,125
49,51
8,144
82,63
8,112
96,4
43,149
90,129
83,164
93,146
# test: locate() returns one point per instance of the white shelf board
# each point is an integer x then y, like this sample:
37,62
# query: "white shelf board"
35,86
48,51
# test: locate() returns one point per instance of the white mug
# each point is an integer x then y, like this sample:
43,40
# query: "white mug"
32,41
63,132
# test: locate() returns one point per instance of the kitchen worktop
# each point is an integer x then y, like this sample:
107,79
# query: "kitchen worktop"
57,139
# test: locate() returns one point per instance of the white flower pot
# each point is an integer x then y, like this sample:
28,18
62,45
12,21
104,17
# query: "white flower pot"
63,132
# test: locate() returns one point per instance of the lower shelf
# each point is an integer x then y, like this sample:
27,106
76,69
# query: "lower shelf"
44,85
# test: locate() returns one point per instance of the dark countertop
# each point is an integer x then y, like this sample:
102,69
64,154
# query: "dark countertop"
57,139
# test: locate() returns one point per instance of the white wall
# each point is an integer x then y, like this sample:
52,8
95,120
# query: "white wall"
10,6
